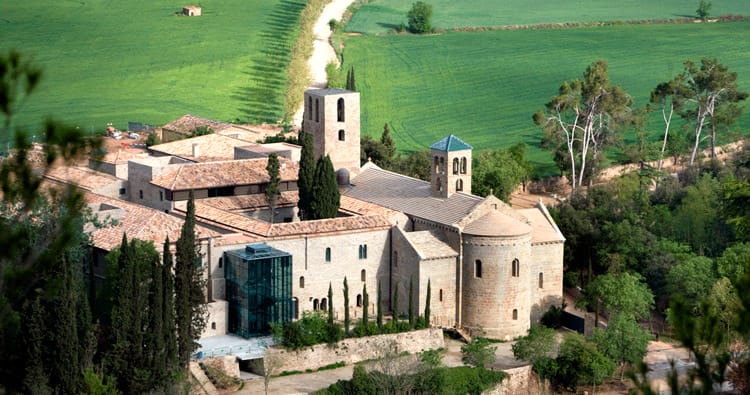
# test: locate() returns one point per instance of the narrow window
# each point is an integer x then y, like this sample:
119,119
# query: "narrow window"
328,254
359,300
140,193
441,294
455,165
221,262
122,191
439,184
302,282
317,110
342,135
213,325
309,108
463,165
459,185
437,168
161,196
515,314
515,268
295,301
316,305
323,303
442,164
363,275
340,108
395,258
541,280
478,268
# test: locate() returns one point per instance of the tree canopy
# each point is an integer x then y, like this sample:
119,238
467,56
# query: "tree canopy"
419,18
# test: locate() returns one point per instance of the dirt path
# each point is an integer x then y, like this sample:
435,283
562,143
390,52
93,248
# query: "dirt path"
323,52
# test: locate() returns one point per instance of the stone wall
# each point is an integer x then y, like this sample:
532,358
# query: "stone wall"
520,380
354,350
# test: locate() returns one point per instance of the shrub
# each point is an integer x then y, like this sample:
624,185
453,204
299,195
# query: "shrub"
478,353
419,18
552,318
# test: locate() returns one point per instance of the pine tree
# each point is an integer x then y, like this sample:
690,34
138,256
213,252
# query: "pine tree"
330,304
411,301
427,305
190,305
326,196
168,314
306,175
365,305
394,308
346,307
272,190
380,308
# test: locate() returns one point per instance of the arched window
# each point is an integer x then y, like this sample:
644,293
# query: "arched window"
302,282
455,165
395,258
442,164
437,169
363,251
317,110
516,269
363,275
328,254
359,300
463,165
316,305
515,314
478,268
541,280
323,304
309,108
459,185
295,303
340,108
439,185
441,294
342,135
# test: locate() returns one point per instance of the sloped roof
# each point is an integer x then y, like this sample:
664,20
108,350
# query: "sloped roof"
497,224
450,143
187,124
428,246
544,229
83,177
220,174
211,147
409,195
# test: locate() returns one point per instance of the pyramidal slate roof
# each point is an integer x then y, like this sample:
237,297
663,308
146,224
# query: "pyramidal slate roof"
451,143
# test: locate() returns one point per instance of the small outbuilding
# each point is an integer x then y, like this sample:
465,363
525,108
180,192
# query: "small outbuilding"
191,10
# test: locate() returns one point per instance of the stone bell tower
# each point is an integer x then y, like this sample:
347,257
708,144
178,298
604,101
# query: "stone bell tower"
332,117
451,167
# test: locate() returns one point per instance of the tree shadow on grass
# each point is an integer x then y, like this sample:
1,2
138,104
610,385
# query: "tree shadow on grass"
389,26
262,100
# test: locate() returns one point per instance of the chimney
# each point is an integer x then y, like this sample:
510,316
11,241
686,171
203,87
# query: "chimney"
196,151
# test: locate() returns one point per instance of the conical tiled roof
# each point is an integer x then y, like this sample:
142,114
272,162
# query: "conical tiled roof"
496,223
451,143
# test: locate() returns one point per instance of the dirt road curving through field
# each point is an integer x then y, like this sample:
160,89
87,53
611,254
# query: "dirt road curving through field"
323,52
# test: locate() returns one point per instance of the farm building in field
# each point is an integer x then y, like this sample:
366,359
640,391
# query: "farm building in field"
191,10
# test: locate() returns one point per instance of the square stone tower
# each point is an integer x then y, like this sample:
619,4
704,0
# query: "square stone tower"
451,167
332,117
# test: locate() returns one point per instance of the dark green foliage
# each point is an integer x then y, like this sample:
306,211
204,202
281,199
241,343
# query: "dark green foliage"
411,301
152,139
395,306
311,329
478,352
190,304
536,345
379,307
365,306
580,363
351,84
168,313
703,9
624,341
389,146
420,18
306,175
427,304
552,318
272,189
35,380
346,307
416,164
155,347
325,192
330,304
498,171
201,131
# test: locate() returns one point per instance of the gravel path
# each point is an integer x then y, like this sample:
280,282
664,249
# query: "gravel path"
323,53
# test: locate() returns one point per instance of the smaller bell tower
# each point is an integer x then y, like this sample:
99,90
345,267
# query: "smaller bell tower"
451,167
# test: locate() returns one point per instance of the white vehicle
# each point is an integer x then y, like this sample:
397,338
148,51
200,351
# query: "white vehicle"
134,136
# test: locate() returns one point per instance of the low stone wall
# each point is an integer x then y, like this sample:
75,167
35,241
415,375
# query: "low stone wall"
520,380
352,350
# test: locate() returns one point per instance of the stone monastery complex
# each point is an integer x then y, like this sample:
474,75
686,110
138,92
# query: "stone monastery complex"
489,266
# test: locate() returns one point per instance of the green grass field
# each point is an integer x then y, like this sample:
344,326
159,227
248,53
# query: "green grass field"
379,16
485,86
118,61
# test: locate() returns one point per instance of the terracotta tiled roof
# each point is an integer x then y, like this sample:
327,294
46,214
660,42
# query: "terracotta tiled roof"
211,147
361,207
187,124
137,221
121,156
83,177
543,228
245,202
428,246
410,196
227,219
496,223
219,174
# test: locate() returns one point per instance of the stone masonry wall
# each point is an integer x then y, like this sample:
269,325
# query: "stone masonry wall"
356,350
519,381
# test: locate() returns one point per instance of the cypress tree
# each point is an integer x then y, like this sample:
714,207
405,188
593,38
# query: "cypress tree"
351,84
306,175
156,346
411,301
117,362
380,308
394,308
389,146
427,305
330,304
64,371
272,190
168,314
365,304
326,196
346,306
35,380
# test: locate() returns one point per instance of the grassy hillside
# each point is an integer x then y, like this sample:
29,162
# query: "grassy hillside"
485,86
118,61
379,16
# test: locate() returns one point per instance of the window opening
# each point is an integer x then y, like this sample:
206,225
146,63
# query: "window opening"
363,275
515,314
359,300
516,268
463,165
328,254
316,305
441,294
340,108
342,135
302,282
478,268
459,185
455,165
541,280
